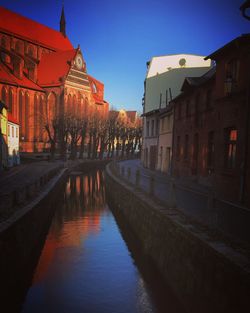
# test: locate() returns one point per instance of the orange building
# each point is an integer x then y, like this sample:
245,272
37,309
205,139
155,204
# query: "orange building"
42,76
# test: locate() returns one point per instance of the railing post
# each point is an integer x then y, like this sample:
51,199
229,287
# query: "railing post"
137,178
172,200
152,185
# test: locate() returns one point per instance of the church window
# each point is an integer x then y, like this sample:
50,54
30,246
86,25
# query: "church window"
74,111
26,116
31,51
41,117
51,106
69,103
11,99
18,47
4,42
21,113
4,96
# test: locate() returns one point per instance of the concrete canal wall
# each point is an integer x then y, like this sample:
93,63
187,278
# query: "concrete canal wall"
205,273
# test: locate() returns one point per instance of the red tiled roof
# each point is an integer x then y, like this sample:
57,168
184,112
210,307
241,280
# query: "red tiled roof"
12,119
7,77
54,66
28,29
131,116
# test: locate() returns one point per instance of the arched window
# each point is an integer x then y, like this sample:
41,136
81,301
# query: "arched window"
18,47
11,100
21,114
80,104
51,106
69,104
36,117
4,42
74,109
86,106
41,117
4,95
31,51
27,115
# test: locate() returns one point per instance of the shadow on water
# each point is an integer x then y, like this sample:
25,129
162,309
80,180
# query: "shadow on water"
161,294
73,232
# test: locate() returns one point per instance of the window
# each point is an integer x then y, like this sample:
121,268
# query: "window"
178,147
179,111
230,147
162,124
8,130
4,95
17,132
157,127
152,127
18,47
26,115
147,129
232,69
187,108
21,113
186,150
196,113
210,150
209,99
13,131
11,97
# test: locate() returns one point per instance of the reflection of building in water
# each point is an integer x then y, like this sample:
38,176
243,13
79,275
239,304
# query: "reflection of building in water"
76,220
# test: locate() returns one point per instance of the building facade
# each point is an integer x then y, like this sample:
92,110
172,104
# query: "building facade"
42,76
211,125
165,140
164,79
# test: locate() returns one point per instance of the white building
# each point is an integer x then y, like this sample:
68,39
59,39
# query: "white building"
163,82
13,141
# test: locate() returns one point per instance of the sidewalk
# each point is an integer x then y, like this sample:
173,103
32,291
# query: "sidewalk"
195,201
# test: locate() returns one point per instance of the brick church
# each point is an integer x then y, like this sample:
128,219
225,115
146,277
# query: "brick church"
42,75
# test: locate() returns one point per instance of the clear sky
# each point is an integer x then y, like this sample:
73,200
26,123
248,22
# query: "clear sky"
118,37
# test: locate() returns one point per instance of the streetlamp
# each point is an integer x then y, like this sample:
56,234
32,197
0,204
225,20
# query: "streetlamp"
244,7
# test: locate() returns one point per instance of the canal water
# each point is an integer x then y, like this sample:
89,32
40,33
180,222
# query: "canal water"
85,265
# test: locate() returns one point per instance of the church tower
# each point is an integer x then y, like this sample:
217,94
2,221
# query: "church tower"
63,23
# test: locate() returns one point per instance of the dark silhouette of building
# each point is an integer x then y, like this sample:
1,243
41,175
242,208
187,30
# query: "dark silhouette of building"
211,124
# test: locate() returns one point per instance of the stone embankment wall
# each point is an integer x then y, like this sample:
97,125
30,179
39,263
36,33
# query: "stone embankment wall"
206,275
21,240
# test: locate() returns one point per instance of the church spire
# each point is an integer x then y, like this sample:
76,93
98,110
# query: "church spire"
63,23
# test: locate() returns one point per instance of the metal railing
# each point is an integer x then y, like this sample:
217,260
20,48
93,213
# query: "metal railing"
199,205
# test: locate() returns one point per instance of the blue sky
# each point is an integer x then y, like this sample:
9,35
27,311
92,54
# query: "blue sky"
118,37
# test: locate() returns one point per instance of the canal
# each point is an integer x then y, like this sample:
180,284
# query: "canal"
85,264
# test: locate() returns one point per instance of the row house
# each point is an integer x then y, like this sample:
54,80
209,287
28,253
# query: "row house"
43,76
211,124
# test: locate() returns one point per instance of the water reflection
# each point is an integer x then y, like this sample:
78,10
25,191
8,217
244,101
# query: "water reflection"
85,266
